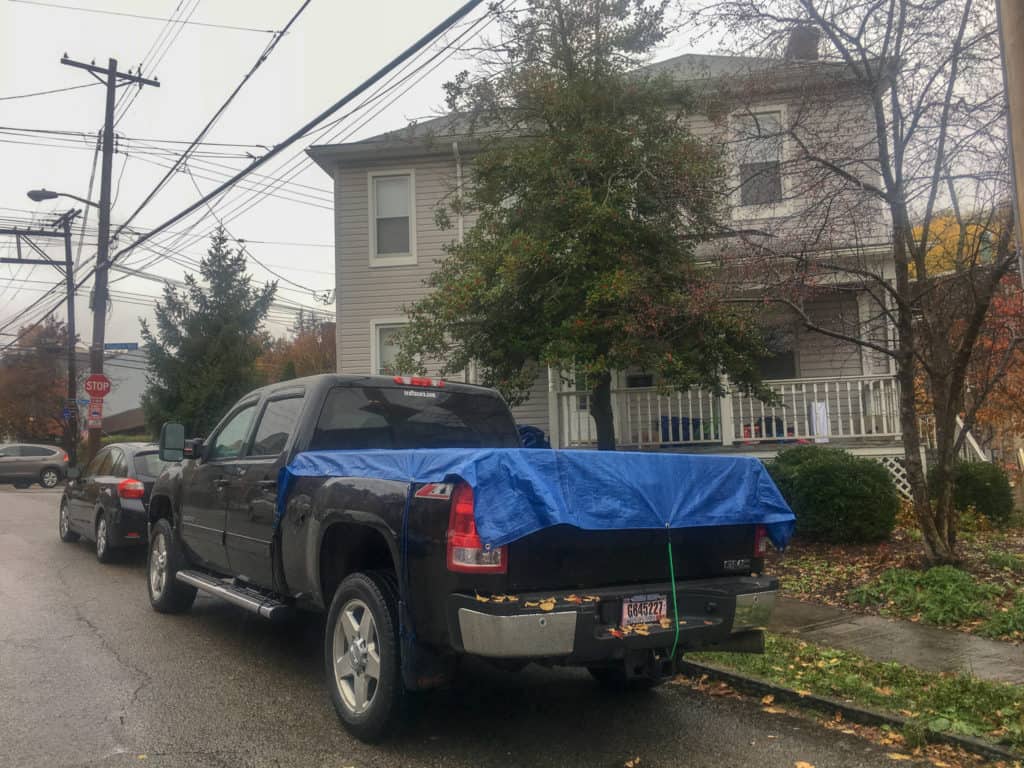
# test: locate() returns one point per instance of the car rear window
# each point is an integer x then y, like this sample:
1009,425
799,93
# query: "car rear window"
149,464
362,418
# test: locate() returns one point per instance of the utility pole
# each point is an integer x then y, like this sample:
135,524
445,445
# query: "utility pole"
112,79
26,235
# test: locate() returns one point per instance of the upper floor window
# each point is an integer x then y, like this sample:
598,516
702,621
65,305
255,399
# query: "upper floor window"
392,218
759,155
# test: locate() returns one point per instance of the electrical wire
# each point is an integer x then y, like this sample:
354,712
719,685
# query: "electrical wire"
47,93
143,17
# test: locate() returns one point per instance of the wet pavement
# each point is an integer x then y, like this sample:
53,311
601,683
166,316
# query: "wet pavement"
917,645
91,676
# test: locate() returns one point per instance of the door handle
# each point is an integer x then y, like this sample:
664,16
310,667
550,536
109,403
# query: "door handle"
221,482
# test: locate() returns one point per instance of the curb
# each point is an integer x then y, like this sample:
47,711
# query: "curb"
851,712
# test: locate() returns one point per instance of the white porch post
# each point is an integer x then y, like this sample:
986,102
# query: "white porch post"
725,409
554,409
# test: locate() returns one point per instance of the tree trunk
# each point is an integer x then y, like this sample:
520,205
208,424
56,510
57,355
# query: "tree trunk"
601,410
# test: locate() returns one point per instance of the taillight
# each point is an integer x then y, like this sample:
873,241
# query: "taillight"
760,541
466,553
419,381
130,489
65,458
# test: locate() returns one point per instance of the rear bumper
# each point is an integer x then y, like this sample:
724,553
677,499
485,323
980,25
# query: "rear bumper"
712,613
129,523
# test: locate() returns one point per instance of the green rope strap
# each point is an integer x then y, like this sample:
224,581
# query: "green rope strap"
675,605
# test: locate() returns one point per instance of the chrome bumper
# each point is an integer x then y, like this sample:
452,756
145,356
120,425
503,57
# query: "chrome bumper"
518,637
753,611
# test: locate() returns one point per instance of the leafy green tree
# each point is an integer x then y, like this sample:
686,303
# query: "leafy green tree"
588,195
208,335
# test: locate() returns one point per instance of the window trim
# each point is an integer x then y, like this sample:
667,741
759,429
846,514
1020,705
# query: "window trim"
395,259
375,325
770,210
276,397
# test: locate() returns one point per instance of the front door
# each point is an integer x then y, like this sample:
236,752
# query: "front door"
204,489
252,498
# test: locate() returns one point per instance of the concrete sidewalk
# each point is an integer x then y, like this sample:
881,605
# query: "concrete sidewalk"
915,645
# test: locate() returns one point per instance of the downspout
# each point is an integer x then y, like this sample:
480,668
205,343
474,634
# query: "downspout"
468,375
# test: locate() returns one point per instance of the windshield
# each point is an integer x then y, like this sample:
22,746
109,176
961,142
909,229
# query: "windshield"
149,464
359,418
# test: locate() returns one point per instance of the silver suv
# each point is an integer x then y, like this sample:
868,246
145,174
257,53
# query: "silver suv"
23,464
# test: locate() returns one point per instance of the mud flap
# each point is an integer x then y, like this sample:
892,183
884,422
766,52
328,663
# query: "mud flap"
423,667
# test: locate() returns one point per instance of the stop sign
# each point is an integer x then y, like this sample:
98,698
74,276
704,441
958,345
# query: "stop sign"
97,385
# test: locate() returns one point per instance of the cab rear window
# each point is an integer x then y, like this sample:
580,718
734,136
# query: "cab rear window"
365,418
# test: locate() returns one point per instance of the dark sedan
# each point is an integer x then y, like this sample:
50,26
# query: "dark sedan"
107,503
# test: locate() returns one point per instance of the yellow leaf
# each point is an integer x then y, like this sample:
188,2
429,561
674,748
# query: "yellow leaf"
802,694
529,604
547,605
632,763
838,716
802,764
482,599
899,756
769,699
773,710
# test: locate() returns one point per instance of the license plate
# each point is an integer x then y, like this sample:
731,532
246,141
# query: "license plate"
644,609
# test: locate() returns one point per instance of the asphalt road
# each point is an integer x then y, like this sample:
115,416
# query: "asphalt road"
91,676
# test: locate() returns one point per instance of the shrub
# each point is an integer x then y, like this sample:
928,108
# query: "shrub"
945,595
1008,561
985,487
1007,623
837,497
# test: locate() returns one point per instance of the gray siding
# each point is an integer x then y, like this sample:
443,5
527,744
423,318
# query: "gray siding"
535,410
819,355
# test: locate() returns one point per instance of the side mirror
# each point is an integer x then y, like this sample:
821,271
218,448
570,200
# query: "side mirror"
172,442
73,473
194,449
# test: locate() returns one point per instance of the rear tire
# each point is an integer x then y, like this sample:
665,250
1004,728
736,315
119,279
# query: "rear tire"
64,524
104,552
166,593
49,477
363,657
614,679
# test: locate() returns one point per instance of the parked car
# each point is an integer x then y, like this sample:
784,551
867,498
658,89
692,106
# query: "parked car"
398,565
107,502
22,464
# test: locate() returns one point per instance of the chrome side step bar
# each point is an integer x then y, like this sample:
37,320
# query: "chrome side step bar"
244,597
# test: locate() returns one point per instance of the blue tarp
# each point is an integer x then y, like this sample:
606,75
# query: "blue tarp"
518,492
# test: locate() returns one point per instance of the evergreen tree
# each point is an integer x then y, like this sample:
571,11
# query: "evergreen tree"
208,335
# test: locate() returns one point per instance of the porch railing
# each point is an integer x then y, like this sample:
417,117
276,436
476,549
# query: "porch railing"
816,409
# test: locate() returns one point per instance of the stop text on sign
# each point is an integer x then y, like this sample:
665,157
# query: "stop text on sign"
97,385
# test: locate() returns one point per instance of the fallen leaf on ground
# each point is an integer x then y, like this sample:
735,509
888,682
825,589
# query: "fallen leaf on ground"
899,756
802,764
773,710
769,699
632,763
802,693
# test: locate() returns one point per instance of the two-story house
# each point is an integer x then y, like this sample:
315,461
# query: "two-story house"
387,187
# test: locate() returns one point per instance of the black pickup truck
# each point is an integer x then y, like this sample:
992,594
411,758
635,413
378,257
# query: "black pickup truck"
400,570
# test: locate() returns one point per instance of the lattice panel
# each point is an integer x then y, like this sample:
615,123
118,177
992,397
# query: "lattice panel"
899,474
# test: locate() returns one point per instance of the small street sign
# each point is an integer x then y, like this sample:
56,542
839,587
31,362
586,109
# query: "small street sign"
95,417
126,346
97,386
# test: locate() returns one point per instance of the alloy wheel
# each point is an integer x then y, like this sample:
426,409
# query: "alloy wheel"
49,478
356,656
158,565
101,536
65,526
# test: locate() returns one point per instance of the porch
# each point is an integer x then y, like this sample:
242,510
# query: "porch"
859,413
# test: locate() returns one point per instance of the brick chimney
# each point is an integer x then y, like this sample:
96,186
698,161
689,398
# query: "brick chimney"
803,44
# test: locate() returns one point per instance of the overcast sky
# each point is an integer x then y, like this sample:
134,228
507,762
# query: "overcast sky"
331,48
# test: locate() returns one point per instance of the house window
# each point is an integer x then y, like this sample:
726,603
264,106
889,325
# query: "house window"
385,347
759,139
392,219
780,362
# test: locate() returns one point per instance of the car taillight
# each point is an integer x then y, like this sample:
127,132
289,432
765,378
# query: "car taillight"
130,489
760,541
65,458
419,381
466,553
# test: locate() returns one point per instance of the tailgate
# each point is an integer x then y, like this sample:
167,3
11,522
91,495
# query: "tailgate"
564,557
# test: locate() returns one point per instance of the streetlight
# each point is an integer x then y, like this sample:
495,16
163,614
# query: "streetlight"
39,195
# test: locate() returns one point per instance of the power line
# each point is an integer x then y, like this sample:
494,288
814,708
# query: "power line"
47,93
142,16
216,115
